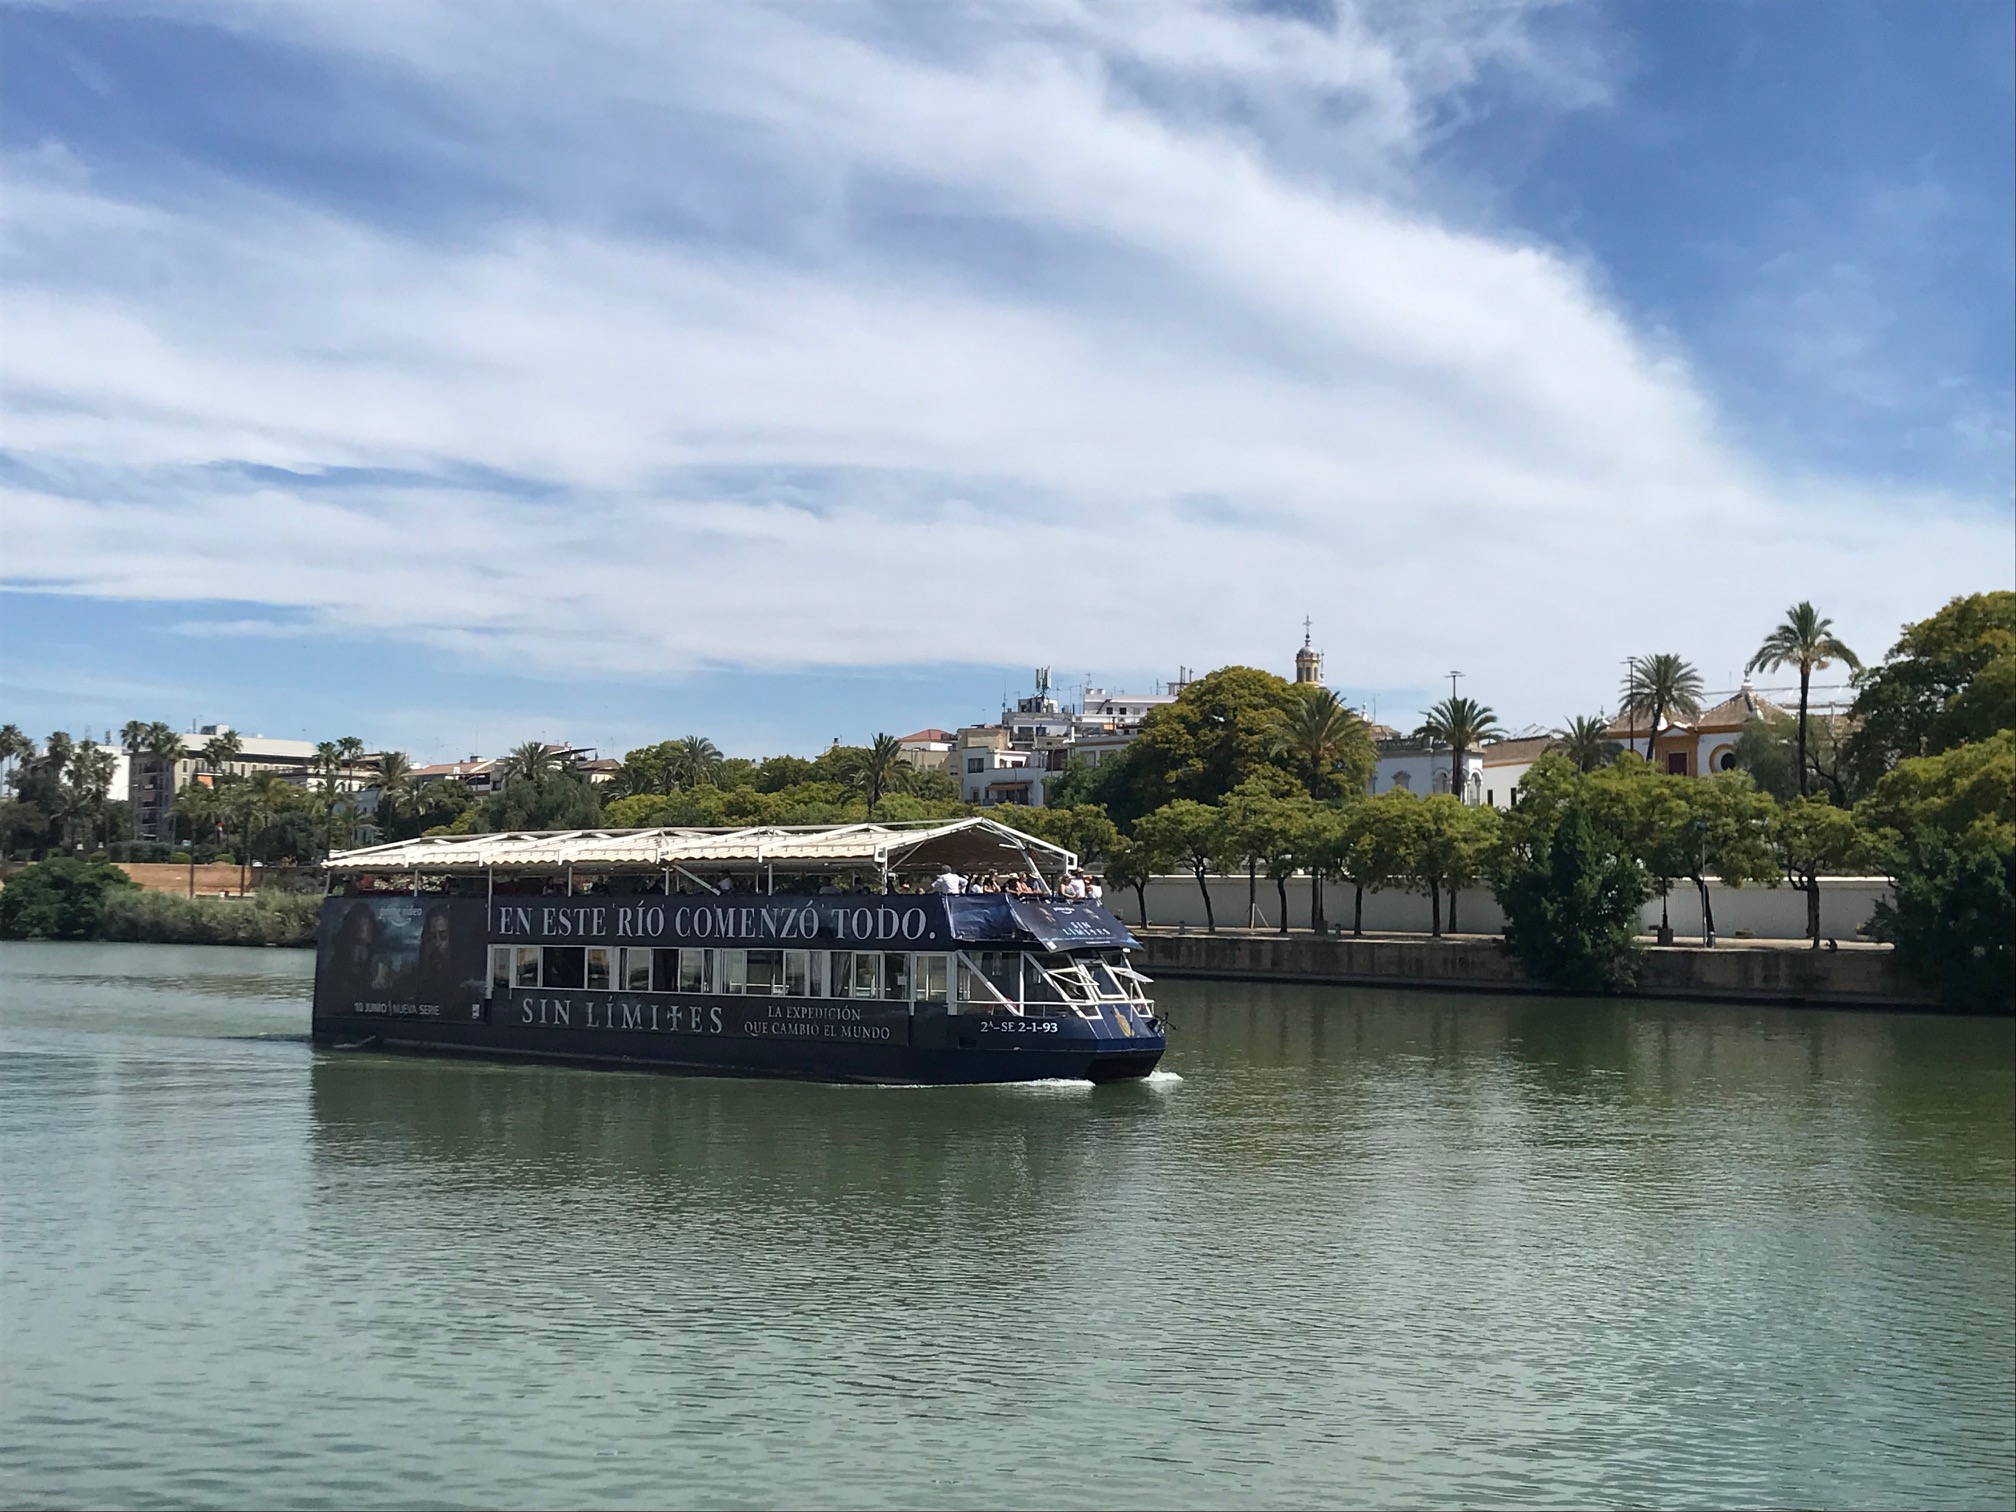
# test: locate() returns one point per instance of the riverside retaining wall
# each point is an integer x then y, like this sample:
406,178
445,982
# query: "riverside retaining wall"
1855,978
1764,913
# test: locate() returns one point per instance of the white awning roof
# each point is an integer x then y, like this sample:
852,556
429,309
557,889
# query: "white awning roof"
960,843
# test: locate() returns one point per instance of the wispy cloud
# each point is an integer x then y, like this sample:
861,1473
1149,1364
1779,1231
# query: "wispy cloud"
787,336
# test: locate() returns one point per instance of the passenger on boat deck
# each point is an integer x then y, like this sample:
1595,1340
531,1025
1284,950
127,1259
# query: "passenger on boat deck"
948,881
1074,885
725,885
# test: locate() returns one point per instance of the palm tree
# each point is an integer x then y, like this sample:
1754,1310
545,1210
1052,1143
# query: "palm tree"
15,748
1316,735
1585,740
529,762
86,784
253,803
1658,687
221,749
693,762
133,736
1805,640
202,805
395,776
881,770
1462,724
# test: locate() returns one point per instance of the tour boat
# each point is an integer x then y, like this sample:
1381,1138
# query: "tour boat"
854,952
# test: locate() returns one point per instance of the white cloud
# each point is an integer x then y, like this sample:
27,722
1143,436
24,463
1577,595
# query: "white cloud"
1246,372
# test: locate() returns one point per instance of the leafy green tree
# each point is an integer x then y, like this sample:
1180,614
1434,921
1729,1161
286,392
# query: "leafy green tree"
86,784
1191,833
1221,729
555,800
1381,848
1082,829
1658,688
1254,827
1571,898
1949,680
1129,863
1462,724
1326,745
1805,640
1726,833
1944,829
1812,839
1952,920
1966,794
62,898
1585,740
1452,844
775,773
1646,812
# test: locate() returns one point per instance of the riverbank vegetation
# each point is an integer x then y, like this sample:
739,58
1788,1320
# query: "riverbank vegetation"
1246,772
66,898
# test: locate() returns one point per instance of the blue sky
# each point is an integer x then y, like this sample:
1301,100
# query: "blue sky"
453,374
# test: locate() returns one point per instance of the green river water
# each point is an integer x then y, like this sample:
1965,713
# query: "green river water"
1359,1247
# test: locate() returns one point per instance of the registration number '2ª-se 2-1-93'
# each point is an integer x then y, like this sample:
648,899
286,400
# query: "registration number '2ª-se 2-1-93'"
1018,1026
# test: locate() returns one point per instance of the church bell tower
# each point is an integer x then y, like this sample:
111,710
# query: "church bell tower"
1308,662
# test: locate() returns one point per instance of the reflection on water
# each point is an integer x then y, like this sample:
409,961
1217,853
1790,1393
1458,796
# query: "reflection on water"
1373,1247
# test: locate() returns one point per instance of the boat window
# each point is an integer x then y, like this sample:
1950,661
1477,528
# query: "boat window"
928,972
896,976
636,970
804,973
856,974
500,968
597,978
664,971
765,971
528,966
562,966
696,970
734,966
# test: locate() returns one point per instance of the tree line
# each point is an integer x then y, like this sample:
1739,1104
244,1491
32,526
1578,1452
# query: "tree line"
1247,772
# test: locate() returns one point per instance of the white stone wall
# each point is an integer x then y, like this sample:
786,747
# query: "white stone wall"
1766,913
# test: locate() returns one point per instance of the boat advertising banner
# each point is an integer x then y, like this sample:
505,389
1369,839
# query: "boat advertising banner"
796,1021
409,958
887,921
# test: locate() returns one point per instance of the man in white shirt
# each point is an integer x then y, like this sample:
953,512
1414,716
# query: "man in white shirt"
948,881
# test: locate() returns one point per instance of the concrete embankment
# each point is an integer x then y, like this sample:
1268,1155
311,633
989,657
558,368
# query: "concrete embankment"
1849,978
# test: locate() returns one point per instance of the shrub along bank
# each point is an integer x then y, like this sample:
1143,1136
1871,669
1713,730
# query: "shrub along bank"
71,899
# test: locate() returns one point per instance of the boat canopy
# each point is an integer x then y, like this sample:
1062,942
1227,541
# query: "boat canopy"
965,845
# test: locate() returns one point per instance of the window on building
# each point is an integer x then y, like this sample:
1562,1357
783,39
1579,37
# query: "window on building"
1441,781
1404,781
1676,763
976,763
1491,797
1728,761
